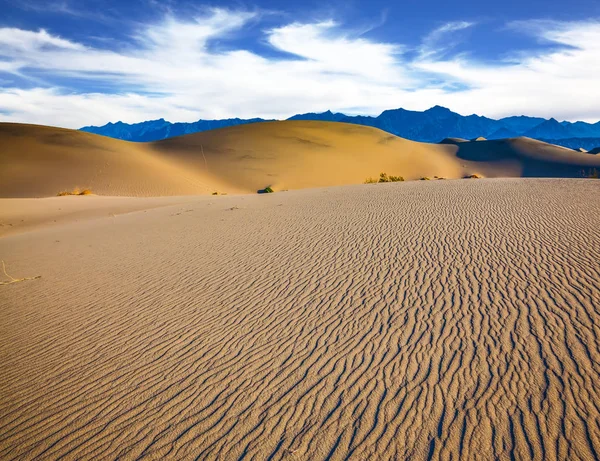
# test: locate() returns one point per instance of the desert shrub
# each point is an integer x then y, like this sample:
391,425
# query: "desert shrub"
396,178
75,191
266,190
424,178
383,177
215,193
592,173
473,176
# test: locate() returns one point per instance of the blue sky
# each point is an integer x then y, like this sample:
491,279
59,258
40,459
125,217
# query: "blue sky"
74,63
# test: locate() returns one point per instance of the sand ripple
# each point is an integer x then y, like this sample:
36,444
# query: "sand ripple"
424,320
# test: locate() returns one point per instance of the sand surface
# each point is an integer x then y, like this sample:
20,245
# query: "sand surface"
427,319
41,161
25,214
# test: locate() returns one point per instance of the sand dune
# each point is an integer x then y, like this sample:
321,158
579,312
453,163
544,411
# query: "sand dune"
420,320
453,140
41,161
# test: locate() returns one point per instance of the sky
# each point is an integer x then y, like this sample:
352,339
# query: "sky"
73,63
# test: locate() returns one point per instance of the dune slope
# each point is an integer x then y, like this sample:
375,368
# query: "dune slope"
41,161
421,320
300,154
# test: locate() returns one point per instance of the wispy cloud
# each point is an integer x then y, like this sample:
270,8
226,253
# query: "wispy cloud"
169,69
444,38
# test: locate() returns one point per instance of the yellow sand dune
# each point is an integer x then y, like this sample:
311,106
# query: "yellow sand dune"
40,161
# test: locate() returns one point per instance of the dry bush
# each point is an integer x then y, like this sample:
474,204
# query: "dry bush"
592,173
383,177
75,191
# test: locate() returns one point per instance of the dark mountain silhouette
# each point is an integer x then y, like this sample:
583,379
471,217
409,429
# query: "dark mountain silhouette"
431,125
575,143
324,116
548,129
521,123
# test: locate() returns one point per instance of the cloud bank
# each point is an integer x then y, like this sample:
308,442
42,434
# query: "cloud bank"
171,69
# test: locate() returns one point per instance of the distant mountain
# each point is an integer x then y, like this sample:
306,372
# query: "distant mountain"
548,129
431,125
583,130
129,132
521,123
155,130
504,133
575,143
323,116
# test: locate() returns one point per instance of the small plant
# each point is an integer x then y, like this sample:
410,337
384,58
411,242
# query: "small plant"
473,176
383,177
215,193
266,190
425,178
396,178
592,173
75,191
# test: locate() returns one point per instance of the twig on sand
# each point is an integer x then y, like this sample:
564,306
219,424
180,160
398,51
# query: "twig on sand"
14,280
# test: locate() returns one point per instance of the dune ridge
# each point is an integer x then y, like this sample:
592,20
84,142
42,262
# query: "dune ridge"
415,320
38,161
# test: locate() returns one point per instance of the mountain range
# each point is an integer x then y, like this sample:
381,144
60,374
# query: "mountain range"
431,125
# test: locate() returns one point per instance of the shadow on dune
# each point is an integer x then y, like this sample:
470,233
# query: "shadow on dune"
537,159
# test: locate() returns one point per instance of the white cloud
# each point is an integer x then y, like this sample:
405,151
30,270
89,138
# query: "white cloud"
442,39
169,70
559,82
16,41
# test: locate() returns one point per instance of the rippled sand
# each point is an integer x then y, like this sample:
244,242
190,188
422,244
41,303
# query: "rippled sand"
423,319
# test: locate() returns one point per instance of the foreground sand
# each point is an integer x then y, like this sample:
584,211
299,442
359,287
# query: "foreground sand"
394,321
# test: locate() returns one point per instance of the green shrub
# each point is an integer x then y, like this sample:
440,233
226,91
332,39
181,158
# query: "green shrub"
266,190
